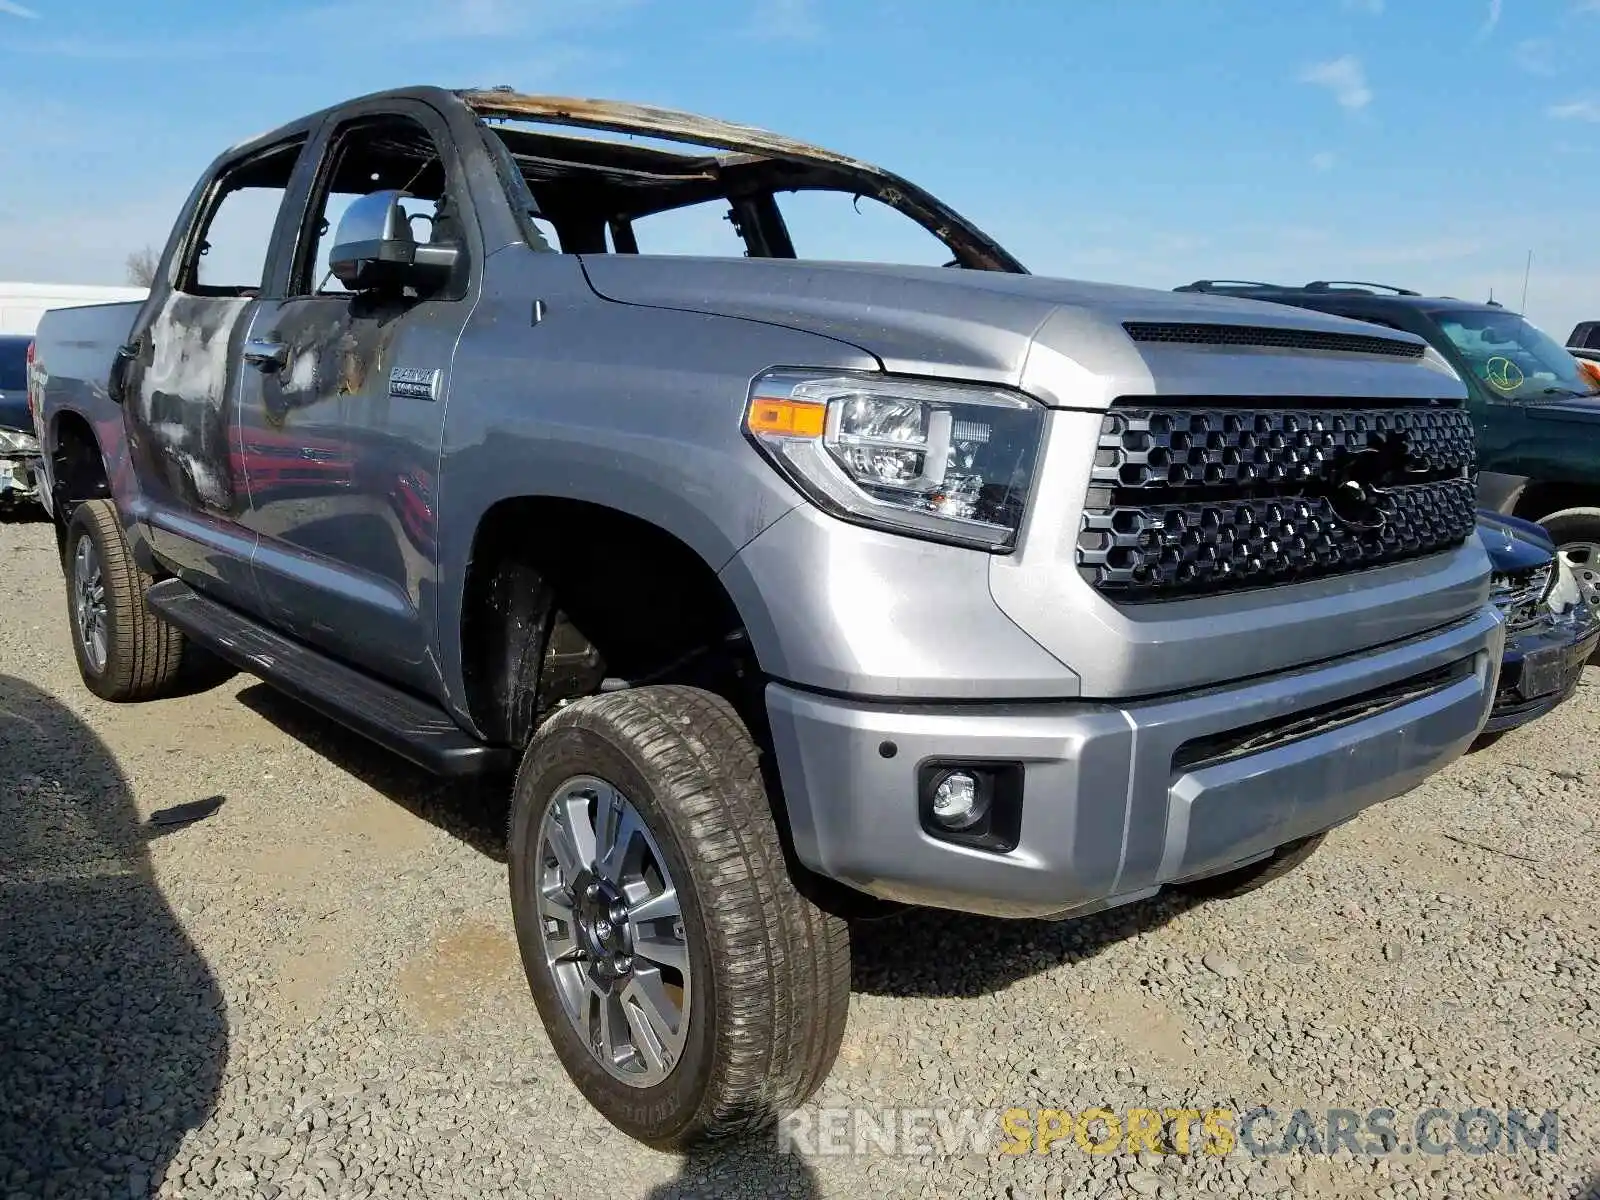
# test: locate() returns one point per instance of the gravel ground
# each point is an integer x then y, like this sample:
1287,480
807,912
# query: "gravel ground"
314,991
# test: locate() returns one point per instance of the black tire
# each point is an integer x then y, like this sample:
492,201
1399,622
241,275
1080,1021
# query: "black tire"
1258,874
143,654
769,971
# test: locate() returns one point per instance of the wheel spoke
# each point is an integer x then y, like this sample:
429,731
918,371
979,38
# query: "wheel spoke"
570,836
624,829
611,1024
608,806
647,992
659,907
575,811
561,948
653,1034
555,900
668,952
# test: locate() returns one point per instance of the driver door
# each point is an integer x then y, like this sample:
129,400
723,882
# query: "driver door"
342,412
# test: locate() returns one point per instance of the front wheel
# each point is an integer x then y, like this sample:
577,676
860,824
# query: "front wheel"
689,989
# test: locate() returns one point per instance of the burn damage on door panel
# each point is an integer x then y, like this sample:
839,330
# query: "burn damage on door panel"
182,402
334,347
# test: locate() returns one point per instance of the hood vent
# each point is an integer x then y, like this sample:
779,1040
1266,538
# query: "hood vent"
1267,336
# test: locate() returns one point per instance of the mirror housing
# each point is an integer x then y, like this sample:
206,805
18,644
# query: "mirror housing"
375,249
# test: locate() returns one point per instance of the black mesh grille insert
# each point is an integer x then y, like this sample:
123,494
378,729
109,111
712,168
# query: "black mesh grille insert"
1267,336
1189,499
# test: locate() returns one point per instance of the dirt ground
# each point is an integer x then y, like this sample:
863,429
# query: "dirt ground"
314,990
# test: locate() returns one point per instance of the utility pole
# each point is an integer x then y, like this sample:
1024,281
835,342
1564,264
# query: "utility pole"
1526,271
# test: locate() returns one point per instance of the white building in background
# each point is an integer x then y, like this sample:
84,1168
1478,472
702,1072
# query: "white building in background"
22,304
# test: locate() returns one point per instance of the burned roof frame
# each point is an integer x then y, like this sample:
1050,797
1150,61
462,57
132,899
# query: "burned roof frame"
744,149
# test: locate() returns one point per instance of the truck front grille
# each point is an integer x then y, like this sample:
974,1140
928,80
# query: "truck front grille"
1185,499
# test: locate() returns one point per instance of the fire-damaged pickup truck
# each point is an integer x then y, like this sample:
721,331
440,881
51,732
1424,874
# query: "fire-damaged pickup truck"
793,590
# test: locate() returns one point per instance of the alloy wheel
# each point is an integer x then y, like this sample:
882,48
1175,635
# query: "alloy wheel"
613,931
89,604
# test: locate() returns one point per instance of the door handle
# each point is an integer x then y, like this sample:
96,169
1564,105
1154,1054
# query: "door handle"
265,355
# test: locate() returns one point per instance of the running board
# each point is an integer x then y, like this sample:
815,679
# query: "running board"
398,721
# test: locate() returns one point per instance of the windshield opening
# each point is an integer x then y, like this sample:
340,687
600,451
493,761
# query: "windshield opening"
1514,358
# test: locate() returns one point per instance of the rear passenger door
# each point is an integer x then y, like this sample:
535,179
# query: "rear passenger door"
341,429
180,389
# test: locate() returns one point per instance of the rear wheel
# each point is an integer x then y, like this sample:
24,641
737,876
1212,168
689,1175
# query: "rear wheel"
688,988
124,651
1258,874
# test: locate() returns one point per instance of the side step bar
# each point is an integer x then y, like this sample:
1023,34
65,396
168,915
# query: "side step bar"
396,720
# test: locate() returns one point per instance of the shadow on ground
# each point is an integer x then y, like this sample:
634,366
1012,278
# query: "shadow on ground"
472,811
113,1033
929,952
751,1167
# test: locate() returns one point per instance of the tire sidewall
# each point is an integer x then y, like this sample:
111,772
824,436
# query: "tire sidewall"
657,1114
1567,527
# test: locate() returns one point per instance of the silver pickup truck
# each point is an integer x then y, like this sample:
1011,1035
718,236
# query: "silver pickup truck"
791,589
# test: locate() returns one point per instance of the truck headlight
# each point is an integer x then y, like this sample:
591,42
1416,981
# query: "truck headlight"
951,462
14,441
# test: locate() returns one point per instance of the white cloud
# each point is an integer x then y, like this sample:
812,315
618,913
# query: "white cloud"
1344,77
1537,56
12,8
1576,110
1491,19
784,21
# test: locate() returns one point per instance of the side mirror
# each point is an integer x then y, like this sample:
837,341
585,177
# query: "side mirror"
374,248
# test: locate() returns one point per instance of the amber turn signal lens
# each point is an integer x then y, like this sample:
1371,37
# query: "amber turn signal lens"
790,418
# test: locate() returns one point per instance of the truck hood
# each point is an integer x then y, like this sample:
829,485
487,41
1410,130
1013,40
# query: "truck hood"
1579,410
1513,544
1062,340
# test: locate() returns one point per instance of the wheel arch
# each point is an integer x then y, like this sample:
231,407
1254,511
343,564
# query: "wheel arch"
612,593
1538,499
78,462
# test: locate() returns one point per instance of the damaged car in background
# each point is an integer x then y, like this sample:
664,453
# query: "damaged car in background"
1551,629
19,447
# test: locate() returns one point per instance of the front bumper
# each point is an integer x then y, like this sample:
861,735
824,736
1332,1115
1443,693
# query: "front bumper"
1570,641
1121,800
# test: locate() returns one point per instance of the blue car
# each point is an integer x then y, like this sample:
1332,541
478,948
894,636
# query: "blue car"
19,449
1550,630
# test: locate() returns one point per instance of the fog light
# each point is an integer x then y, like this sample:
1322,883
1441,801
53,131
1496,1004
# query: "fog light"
957,800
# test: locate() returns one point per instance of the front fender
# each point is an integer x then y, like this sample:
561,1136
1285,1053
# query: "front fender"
636,409
1500,492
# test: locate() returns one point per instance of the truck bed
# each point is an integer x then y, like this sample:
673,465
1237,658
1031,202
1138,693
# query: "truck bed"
76,346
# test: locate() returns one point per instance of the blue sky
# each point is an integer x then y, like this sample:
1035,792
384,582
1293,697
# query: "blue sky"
1430,143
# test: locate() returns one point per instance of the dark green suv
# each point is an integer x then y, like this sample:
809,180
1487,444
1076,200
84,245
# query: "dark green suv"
1536,411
